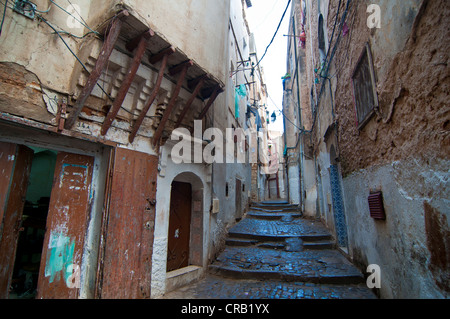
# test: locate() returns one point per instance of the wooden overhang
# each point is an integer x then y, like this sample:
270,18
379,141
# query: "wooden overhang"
127,33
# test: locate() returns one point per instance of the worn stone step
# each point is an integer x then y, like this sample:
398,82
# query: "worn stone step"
273,215
217,287
273,205
316,266
276,209
278,238
272,202
287,226
240,241
235,273
326,244
273,245
286,244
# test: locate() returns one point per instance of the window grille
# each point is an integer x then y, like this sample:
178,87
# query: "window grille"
364,88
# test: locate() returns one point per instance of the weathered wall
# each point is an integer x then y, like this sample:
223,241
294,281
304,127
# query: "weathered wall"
198,176
199,37
411,246
225,117
39,69
410,56
403,150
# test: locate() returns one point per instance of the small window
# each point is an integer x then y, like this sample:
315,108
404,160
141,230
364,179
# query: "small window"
226,189
364,88
243,187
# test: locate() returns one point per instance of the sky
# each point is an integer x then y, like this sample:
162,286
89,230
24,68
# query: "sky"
263,18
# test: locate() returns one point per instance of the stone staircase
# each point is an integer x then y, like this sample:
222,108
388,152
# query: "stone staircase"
274,242
275,253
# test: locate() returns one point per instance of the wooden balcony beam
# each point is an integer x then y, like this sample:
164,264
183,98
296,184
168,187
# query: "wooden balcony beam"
172,101
100,65
178,68
152,97
134,43
138,55
215,94
160,55
200,83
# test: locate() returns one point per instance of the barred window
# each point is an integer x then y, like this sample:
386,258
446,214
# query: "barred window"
364,88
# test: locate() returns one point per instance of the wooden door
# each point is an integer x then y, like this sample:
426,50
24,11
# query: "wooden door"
179,226
67,221
238,199
15,168
125,267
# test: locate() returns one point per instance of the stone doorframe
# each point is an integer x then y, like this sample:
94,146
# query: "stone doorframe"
163,281
196,230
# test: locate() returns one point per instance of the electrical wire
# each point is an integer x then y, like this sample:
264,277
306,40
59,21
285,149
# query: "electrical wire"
280,110
346,45
3,18
82,22
276,31
70,50
327,63
284,115
79,14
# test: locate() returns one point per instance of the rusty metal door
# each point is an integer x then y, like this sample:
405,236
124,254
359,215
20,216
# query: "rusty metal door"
179,226
15,168
70,202
125,266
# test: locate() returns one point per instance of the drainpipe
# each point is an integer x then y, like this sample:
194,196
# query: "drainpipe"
300,156
285,158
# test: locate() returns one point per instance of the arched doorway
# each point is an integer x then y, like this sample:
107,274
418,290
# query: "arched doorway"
179,226
185,240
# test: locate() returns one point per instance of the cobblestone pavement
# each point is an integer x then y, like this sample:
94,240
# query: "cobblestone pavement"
215,287
278,255
318,266
285,227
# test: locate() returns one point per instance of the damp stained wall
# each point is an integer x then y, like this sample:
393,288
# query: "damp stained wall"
38,68
403,150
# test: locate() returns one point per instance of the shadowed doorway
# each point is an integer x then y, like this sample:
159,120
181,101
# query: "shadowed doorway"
179,226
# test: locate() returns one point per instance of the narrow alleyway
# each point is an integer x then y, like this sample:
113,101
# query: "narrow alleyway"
274,253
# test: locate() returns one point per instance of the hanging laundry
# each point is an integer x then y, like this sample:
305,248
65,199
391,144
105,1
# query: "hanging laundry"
240,93
273,116
255,112
345,29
